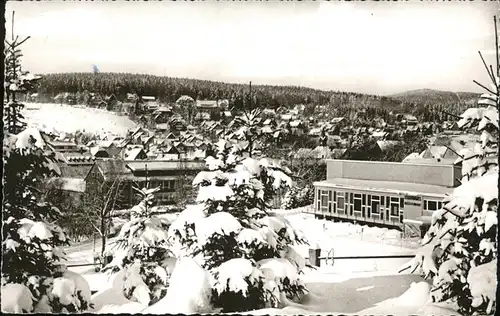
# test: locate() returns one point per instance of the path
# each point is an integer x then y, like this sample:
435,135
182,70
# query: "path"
357,294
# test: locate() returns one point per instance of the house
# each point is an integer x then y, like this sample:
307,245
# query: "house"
403,195
146,99
385,145
162,115
137,153
380,135
268,113
65,146
132,97
66,97
202,116
177,125
72,179
297,127
111,102
169,152
407,119
169,176
33,97
334,141
207,109
269,122
339,121
315,132
163,127
105,149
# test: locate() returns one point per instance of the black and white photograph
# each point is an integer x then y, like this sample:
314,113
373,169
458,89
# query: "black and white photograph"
250,157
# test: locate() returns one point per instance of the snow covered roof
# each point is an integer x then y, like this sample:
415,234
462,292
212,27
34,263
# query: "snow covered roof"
73,184
387,186
206,103
134,154
74,171
379,134
337,119
148,98
409,117
163,126
386,144
106,143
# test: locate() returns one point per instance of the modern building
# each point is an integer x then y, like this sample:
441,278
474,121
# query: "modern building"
396,194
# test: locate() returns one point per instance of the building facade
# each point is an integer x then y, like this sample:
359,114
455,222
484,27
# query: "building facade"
171,176
400,195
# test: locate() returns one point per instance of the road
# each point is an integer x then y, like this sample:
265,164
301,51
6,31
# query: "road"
82,252
357,294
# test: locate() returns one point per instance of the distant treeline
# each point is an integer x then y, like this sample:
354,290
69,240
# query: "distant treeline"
168,90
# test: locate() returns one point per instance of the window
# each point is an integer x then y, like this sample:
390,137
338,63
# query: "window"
351,198
440,205
351,209
382,201
375,207
394,209
369,199
401,202
340,202
357,205
364,199
387,201
330,196
335,195
432,206
324,199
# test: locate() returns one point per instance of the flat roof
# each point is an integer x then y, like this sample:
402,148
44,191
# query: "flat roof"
387,186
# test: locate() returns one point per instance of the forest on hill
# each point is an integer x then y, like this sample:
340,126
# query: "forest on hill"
168,89
425,97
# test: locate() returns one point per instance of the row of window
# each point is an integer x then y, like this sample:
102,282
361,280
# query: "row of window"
430,205
367,205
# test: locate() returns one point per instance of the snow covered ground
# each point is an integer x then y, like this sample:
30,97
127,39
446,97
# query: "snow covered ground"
346,286
66,118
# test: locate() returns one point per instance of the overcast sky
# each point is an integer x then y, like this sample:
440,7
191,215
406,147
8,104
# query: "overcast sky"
365,47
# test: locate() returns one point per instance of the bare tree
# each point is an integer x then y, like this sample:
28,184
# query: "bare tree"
100,199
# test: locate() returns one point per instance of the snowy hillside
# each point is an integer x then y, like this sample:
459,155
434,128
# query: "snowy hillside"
64,118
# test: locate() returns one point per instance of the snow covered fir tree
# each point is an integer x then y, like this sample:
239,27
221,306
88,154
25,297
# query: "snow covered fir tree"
459,252
33,277
245,256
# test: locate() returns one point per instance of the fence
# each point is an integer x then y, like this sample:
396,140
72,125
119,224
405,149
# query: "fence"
315,257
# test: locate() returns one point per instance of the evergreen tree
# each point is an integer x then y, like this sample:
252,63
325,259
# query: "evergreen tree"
229,232
145,256
459,251
31,243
